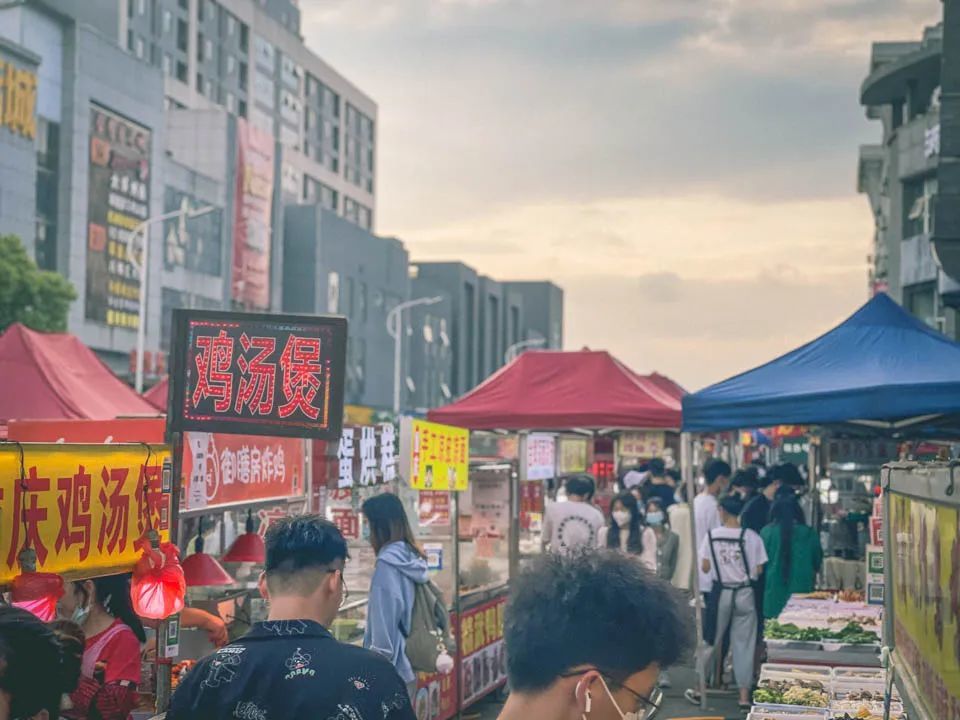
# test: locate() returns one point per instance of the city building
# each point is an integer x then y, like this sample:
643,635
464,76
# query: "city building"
334,266
901,177
469,333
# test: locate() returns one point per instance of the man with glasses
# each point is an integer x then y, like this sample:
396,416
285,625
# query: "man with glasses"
291,666
587,636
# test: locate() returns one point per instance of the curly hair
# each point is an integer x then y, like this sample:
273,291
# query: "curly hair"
598,608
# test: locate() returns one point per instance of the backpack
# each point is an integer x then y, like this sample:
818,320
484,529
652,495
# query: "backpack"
429,633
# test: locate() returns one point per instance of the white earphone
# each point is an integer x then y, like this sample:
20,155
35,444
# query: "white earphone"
589,700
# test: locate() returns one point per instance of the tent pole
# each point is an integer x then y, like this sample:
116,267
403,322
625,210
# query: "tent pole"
688,477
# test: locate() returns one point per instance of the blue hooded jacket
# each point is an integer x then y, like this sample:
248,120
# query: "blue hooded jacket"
390,607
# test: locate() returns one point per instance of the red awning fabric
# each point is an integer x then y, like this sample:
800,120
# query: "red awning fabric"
157,395
552,390
667,385
55,376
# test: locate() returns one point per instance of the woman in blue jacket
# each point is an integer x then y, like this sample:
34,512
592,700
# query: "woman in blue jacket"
400,565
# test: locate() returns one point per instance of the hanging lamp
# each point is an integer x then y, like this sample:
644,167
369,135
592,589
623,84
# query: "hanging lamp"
248,547
201,569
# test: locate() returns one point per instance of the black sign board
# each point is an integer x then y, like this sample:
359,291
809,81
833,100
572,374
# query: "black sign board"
257,374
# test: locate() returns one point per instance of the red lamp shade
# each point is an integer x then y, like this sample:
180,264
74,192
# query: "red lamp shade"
202,569
248,547
37,592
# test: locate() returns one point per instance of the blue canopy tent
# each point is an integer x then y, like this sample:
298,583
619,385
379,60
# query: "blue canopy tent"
881,369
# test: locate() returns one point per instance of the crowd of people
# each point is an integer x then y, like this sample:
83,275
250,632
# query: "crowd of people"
636,562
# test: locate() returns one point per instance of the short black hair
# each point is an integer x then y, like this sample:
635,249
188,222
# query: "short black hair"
581,485
30,664
716,468
595,607
745,478
657,467
787,473
302,544
732,504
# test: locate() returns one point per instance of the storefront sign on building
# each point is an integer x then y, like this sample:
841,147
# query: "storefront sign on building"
366,456
484,660
118,201
81,507
278,375
251,228
18,99
434,456
641,444
541,457
222,469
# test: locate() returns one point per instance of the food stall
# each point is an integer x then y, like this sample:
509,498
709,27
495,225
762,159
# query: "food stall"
81,510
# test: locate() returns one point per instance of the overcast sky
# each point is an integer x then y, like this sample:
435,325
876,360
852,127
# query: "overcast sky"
684,169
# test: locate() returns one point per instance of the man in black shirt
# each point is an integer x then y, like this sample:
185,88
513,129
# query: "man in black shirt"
291,666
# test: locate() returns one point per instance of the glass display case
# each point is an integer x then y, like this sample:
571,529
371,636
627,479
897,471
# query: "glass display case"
484,528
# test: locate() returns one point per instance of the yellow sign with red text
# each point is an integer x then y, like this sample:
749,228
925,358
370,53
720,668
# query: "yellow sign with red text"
434,456
926,599
81,508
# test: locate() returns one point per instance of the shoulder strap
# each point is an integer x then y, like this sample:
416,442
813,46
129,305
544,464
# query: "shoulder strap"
743,552
713,554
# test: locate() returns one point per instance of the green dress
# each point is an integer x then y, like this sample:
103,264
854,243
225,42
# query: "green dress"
805,559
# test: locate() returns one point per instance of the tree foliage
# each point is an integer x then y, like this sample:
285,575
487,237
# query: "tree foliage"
37,298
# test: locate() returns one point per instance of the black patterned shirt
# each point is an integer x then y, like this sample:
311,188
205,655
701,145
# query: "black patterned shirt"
287,669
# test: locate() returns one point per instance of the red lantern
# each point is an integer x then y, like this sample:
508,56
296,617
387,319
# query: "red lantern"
248,547
158,587
36,592
201,569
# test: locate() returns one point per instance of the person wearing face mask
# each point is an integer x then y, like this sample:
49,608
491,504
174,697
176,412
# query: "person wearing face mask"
110,668
570,655
290,666
668,544
31,684
627,533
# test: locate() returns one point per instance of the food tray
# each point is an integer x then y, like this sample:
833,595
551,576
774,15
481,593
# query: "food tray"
857,674
784,671
787,713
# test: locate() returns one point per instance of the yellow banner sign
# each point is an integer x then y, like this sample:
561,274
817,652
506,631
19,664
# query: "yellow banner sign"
81,507
573,455
641,444
433,456
18,99
926,599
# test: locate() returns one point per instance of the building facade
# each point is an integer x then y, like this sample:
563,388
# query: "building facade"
900,176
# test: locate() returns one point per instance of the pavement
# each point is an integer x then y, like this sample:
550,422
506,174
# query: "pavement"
721,707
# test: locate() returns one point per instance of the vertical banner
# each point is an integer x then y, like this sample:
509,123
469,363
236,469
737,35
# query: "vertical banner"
573,455
118,200
434,456
483,657
254,205
541,457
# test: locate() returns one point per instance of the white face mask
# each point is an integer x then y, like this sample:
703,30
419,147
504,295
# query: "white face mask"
621,518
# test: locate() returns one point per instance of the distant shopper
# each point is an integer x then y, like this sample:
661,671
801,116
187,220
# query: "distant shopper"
573,523
795,556
627,533
678,516
570,652
667,541
756,512
706,508
291,666
30,681
733,558
401,565
745,483
110,670
659,485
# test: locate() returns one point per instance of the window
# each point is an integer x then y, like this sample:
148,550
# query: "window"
141,7
182,71
140,53
208,49
362,301
182,35
184,4
242,79
131,40
231,64
200,47
230,101
167,64
244,37
200,85
167,21
130,4
242,108
231,25
914,208
208,90
263,90
48,151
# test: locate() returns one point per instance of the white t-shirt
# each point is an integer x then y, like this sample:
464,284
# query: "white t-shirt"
570,525
729,557
706,514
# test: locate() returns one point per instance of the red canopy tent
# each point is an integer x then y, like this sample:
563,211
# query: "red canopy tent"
667,385
552,390
55,376
157,395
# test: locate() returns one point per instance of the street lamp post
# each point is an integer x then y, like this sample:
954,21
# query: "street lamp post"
183,212
394,324
515,349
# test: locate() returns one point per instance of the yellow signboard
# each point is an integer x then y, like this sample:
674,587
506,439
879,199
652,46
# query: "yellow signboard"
925,558
641,444
18,99
81,507
573,455
434,456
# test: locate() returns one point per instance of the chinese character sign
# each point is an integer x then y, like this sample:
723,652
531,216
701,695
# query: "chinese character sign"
366,455
483,653
573,455
222,469
119,200
541,457
641,444
251,228
434,456
81,507
258,374
18,100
